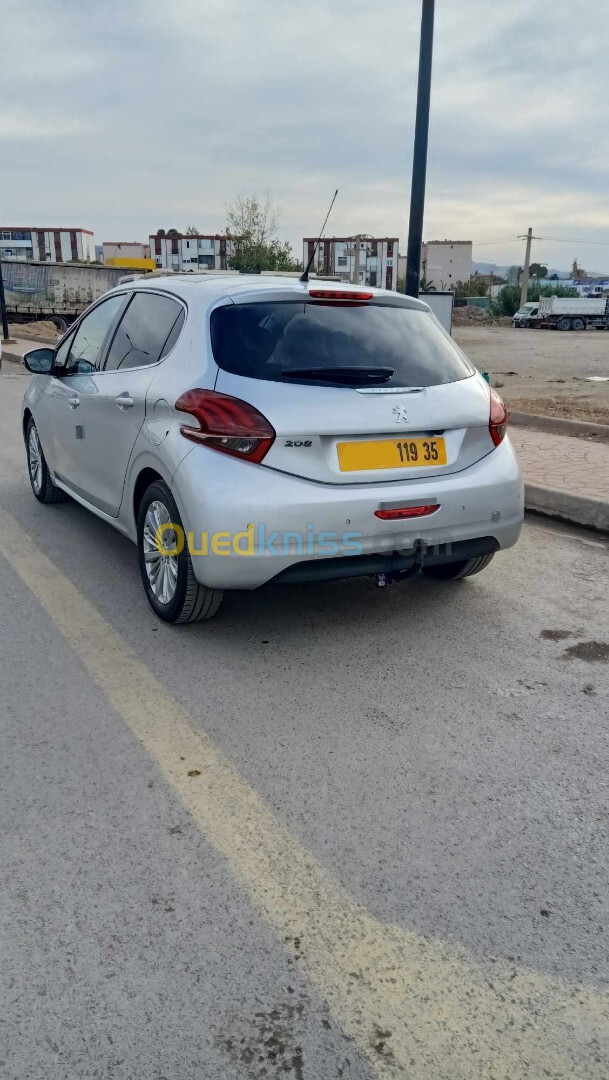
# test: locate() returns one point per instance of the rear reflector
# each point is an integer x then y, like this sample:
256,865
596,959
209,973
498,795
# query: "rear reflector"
406,512
336,294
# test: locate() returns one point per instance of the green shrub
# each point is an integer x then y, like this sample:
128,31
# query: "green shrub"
507,301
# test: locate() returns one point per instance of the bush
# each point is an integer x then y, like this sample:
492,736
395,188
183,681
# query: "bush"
471,288
508,300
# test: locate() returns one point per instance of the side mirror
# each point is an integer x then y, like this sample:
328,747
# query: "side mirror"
39,361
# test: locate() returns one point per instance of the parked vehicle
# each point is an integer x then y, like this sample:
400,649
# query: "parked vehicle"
245,430
564,313
57,292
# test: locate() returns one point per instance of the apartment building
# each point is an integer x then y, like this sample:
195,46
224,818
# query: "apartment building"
180,251
54,245
362,260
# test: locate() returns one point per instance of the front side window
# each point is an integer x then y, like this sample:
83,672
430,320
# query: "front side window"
93,330
288,341
147,331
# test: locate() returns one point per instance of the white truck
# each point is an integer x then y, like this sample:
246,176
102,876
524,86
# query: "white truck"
564,313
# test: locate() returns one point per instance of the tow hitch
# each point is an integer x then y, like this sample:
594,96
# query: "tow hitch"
420,551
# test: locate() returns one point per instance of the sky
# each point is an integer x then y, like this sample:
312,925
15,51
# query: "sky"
125,116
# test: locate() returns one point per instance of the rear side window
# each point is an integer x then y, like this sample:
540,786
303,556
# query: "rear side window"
148,329
264,341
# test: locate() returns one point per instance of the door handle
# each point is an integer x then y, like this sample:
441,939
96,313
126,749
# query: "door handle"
124,401
74,402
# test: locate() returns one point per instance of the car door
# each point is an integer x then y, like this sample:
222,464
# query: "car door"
115,405
60,411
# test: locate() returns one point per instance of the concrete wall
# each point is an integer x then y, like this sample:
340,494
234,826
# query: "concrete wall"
446,262
125,250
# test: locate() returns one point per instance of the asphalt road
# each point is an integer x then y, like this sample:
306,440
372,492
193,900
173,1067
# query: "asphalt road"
336,832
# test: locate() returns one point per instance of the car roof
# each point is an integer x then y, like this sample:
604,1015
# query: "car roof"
210,287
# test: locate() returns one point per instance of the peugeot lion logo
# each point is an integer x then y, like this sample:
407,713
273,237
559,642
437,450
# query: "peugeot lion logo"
401,416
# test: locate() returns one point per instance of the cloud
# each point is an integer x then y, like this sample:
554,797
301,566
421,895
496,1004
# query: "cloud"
27,126
151,114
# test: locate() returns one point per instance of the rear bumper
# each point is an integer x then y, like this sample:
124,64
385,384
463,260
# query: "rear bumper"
219,495
398,562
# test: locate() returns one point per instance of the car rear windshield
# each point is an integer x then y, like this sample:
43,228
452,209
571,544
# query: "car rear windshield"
268,340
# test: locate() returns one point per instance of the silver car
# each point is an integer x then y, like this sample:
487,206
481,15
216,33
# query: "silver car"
244,430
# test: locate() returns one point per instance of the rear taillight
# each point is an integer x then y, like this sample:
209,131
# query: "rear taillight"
498,421
397,512
226,424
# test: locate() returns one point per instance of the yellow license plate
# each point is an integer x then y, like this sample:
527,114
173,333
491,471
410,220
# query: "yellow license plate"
391,454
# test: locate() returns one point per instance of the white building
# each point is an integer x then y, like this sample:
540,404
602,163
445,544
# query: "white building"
46,245
444,262
182,252
362,260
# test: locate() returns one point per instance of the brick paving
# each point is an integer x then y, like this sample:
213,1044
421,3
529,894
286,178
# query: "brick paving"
563,462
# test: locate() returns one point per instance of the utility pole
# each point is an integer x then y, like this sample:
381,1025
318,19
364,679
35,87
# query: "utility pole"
5,336
356,262
524,280
419,159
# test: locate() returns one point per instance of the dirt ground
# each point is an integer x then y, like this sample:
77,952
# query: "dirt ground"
41,329
543,371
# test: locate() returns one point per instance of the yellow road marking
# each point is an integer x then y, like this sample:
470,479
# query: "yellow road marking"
416,1007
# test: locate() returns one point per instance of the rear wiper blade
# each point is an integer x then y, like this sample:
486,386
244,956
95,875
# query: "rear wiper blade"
340,374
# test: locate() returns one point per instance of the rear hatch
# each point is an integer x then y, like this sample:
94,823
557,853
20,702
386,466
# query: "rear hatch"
359,391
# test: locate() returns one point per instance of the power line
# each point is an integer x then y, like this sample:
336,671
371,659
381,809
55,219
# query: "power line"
548,239
570,240
487,243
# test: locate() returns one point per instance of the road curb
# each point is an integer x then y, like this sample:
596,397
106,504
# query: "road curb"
556,425
11,357
566,505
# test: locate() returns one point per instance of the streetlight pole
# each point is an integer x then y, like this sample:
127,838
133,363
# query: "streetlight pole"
419,159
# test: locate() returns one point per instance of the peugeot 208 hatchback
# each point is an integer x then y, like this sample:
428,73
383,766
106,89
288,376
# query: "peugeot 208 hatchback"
244,430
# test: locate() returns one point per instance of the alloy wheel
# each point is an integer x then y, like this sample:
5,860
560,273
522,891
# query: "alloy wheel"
161,568
35,460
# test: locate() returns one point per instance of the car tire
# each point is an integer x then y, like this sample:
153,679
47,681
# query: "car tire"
173,592
456,570
563,324
38,471
579,324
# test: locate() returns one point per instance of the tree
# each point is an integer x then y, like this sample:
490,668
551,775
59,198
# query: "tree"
471,288
191,230
252,226
508,300
538,270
